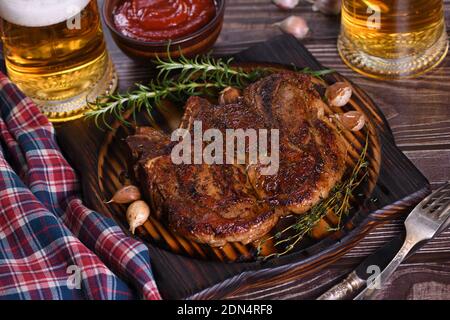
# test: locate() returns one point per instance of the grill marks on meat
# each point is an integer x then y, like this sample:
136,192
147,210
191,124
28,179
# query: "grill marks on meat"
216,204
208,203
312,154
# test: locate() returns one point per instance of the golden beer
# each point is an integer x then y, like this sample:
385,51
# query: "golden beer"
392,38
55,52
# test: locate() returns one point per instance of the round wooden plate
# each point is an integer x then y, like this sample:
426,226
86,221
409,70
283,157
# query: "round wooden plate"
115,161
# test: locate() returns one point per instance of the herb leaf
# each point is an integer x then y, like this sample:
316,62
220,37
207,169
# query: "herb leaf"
338,203
176,81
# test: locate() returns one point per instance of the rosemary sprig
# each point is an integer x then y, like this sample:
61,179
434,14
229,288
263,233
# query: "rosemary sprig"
117,105
338,202
207,68
315,73
196,76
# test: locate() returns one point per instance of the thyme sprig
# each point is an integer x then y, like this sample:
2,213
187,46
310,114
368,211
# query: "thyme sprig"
176,81
338,202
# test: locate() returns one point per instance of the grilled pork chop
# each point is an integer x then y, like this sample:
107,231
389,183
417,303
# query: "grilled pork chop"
216,204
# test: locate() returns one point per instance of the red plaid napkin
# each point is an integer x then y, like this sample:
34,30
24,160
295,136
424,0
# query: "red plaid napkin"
51,246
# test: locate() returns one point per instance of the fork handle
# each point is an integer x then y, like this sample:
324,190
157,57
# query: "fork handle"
344,289
407,246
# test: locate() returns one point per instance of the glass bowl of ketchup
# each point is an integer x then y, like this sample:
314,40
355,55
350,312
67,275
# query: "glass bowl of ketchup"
151,28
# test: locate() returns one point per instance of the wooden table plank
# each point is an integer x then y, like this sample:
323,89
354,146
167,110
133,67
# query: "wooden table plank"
418,111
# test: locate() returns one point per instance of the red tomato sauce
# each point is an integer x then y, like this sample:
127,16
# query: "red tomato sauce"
162,20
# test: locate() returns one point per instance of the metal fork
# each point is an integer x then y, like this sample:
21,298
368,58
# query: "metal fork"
423,223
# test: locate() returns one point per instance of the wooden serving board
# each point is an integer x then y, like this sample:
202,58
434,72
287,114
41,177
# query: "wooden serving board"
115,166
397,186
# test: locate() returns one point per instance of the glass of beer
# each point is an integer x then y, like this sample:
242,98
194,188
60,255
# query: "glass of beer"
390,39
55,52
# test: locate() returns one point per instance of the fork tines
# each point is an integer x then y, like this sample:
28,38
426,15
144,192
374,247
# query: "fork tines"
438,202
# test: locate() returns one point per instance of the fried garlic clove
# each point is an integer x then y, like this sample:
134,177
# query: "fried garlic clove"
352,120
229,95
320,106
137,214
126,194
338,94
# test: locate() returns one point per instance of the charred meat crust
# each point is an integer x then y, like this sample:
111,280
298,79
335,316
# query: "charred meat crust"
219,231
216,204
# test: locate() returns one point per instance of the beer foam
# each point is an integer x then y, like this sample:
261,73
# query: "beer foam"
40,13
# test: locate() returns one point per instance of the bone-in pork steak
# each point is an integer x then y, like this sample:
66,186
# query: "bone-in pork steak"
216,204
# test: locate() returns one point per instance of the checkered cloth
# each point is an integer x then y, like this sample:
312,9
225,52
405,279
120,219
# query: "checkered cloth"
51,246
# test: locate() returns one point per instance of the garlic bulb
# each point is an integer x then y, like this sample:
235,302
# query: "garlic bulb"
352,120
331,7
137,213
338,94
295,25
286,4
126,194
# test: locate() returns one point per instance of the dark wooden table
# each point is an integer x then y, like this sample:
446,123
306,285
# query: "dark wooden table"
418,112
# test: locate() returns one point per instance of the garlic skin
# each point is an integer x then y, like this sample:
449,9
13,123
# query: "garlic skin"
352,120
338,94
328,7
295,25
286,4
229,95
126,194
137,214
